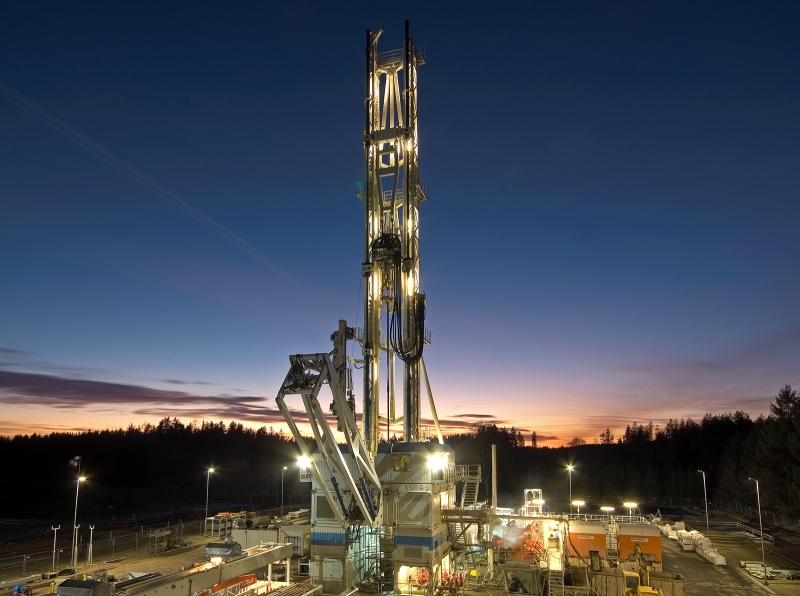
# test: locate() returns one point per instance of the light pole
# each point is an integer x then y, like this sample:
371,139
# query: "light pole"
630,506
283,471
55,533
89,552
205,519
569,469
579,504
74,559
705,500
761,530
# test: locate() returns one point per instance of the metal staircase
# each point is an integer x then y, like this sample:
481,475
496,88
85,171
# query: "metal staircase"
471,476
555,583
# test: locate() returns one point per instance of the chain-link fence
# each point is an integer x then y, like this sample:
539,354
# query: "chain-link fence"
111,544
747,511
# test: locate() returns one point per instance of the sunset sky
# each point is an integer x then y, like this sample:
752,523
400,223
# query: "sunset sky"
612,232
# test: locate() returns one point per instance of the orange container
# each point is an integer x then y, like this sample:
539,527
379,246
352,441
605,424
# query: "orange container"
585,537
645,535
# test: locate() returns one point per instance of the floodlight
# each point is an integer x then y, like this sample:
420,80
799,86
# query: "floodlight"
437,461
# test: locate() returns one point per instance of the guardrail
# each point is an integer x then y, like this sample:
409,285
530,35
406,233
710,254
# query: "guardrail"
749,511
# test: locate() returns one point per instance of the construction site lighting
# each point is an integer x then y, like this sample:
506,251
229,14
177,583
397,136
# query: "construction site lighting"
705,500
579,503
607,509
761,529
570,467
205,519
538,501
630,505
304,462
74,550
283,471
437,461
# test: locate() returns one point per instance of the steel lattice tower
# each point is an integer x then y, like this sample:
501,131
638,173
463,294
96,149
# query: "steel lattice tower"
392,193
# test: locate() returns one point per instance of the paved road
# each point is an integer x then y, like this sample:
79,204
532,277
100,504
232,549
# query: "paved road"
705,579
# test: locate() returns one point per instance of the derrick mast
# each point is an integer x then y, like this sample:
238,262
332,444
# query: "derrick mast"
392,193
376,510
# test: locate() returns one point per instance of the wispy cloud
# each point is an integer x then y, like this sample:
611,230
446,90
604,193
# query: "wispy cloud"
477,416
10,352
20,388
767,353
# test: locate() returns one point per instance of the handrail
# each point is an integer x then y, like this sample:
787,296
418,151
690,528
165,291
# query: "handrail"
755,532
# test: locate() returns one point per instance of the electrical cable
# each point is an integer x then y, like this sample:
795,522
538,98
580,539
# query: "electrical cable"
388,248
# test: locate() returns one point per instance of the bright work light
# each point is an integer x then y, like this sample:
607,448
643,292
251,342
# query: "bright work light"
437,461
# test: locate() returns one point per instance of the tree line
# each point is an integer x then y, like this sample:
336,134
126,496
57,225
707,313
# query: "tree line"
165,465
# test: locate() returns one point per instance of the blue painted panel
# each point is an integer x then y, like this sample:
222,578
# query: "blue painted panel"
328,538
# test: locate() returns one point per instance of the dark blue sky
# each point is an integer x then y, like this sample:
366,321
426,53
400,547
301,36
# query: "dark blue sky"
611,235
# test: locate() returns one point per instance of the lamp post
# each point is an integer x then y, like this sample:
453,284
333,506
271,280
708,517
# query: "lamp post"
569,469
205,519
579,504
705,500
74,558
630,506
283,471
761,530
89,560
55,533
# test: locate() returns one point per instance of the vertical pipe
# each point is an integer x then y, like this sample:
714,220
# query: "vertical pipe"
494,479
392,408
366,422
494,506
407,74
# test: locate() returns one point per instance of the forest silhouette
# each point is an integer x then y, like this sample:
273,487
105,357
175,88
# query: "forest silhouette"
164,465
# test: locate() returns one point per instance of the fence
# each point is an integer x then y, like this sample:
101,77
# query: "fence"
747,511
108,545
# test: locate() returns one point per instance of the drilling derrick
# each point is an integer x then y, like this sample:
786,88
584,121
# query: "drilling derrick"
376,508
392,193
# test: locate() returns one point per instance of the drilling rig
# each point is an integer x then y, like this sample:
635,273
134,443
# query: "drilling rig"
376,506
